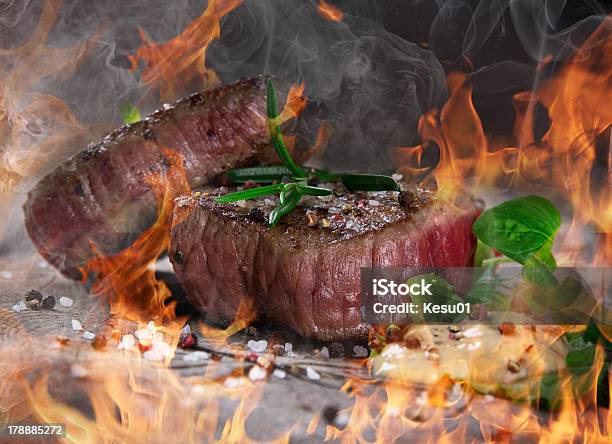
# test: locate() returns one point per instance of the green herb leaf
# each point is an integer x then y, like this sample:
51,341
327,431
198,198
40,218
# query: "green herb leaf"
369,182
487,289
277,136
289,200
130,114
442,293
263,174
580,359
251,193
313,191
520,227
483,252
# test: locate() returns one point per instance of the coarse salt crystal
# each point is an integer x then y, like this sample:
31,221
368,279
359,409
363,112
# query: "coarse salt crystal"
127,342
19,306
360,352
196,356
397,177
232,382
153,355
257,373
66,302
325,352
5,274
373,203
280,374
89,335
311,373
268,202
241,203
78,371
257,346
76,325
289,350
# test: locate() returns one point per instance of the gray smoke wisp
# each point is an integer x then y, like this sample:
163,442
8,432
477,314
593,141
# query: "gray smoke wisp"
65,74
368,84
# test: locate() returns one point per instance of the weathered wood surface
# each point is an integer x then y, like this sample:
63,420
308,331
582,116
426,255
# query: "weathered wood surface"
283,403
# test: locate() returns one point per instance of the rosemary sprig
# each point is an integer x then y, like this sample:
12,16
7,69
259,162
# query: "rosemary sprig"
293,178
276,135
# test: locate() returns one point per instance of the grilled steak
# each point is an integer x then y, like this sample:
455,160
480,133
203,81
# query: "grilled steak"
101,197
308,278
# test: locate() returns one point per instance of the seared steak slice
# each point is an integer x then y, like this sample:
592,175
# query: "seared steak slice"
100,196
308,278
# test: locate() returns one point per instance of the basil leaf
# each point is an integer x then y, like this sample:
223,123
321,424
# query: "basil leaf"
250,193
130,114
369,182
519,227
483,252
260,174
442,293
537,272
313,191
276,135
486,290
289,200
580,359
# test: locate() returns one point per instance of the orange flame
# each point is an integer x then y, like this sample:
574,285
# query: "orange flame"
127,278
329,12
564,161
176,63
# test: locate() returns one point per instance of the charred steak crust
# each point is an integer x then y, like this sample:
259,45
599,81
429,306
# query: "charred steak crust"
100,194
308,278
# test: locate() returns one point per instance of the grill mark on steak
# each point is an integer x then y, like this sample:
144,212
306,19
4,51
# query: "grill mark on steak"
99,195
307,278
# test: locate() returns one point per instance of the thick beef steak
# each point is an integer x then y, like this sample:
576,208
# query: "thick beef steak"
308,277
100,197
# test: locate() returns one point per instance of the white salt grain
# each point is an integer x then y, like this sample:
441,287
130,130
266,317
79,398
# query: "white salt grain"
153,355
397,177
257,373
280,374
196,356
232,382
5,274
19,306
88,335
360,352
373,203
66,302
311,373
289,350
325,352
127,342
76,325
257,346
78,371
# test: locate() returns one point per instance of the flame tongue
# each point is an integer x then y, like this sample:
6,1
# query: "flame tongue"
180,61
128,279
564,162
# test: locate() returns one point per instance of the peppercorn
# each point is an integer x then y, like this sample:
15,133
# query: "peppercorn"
48,303
312,219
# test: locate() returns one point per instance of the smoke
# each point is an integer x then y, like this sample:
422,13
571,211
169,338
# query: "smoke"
65,74
369,85
462,29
